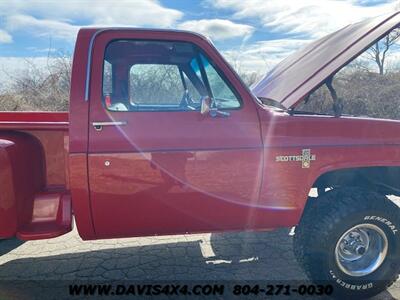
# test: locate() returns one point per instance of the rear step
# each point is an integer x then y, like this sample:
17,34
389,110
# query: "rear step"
51,217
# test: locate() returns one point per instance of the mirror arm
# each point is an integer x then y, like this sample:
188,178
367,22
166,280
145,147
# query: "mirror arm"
214,112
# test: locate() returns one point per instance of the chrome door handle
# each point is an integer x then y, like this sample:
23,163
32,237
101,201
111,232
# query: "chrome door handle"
99,125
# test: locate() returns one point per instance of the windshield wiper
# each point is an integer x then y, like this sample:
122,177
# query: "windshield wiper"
300,112
273,103
337,102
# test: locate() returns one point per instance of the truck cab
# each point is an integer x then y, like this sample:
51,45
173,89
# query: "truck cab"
146,137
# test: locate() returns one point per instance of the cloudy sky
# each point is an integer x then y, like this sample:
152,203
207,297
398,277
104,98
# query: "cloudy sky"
254,34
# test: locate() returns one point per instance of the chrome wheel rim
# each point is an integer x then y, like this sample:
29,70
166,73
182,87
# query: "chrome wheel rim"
361,250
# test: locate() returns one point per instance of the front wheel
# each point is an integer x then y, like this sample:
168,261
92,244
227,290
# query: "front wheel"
350,238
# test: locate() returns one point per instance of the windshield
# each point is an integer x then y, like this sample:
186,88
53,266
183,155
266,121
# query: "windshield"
218,88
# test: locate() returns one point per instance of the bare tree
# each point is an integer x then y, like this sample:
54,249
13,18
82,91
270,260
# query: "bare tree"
39,87
249,77
379,52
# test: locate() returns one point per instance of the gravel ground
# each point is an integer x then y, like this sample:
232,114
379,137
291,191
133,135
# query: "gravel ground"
263,256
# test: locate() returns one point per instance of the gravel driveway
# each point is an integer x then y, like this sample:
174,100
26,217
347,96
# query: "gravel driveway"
237,256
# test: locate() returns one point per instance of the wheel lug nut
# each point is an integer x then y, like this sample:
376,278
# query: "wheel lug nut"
360,250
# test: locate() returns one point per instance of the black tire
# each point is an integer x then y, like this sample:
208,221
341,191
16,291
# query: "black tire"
323,224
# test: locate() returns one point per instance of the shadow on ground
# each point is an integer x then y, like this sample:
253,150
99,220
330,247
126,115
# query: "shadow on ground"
263,256
234,256
9,245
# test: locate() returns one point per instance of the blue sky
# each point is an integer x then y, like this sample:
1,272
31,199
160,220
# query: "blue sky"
252,34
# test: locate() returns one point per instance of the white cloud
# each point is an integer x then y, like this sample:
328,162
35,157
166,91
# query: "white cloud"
14,67
60,19
42,27
218,29
262,56
313,18
128,12
5,37
47,50
19,64
278,47
303,21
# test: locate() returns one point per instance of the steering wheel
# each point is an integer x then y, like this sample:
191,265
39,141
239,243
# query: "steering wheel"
187,101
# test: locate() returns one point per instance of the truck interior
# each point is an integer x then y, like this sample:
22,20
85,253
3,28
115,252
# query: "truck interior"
183,68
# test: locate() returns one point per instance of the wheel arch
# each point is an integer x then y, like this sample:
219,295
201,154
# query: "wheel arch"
382,179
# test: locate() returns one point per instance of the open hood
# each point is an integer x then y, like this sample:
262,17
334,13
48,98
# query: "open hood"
301,72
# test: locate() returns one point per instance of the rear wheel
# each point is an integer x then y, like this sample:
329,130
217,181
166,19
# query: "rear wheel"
350,238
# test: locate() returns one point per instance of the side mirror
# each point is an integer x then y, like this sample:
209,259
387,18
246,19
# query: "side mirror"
208,108
205,105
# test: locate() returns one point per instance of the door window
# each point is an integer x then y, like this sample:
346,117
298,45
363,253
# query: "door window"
161,76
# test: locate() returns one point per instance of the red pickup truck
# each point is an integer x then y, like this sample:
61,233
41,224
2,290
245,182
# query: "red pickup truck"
163,137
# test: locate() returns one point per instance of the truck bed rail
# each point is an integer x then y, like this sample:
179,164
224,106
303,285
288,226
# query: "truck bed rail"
34,120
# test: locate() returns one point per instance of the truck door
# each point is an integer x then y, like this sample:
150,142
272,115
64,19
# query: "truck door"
156,164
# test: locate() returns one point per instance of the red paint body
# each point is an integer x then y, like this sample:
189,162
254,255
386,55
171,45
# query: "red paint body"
169,172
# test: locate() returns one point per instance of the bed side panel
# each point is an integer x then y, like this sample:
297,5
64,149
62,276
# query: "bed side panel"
22,175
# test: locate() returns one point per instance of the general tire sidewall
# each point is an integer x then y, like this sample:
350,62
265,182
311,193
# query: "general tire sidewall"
381,277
